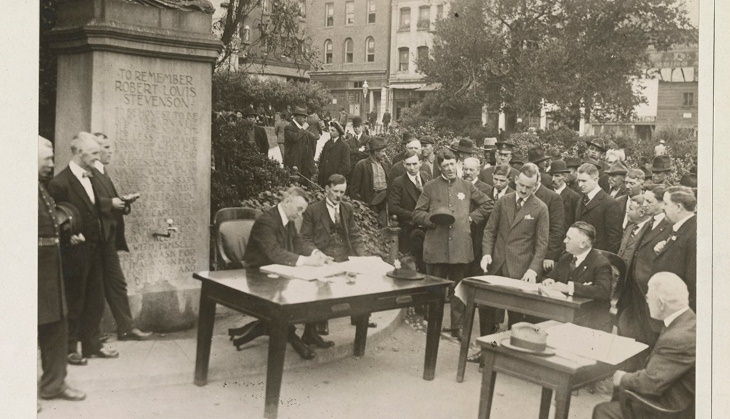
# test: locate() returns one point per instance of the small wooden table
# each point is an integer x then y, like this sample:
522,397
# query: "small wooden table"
281,302
481,293
553,373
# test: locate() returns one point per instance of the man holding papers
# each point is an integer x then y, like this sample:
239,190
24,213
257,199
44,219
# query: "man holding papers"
668,379
584,272
274,239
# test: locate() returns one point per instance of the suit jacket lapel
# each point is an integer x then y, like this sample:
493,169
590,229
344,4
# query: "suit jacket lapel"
595,201
522,211
582,268
650,235
412,189
324,215
79,190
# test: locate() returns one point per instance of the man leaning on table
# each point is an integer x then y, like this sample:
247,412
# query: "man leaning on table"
668,378
274,240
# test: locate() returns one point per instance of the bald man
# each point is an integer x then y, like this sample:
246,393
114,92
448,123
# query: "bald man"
82,259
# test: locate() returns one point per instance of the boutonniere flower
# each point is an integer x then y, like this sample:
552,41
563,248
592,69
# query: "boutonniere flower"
673,237
660,246
461,196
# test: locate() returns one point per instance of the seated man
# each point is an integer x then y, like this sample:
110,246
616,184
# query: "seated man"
330,225
274,239
668,378
584,272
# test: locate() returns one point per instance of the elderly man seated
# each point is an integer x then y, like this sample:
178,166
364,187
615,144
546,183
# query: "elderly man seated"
668,378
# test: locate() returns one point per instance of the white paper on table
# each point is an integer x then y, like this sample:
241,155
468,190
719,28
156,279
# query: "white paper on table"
593,344
501,281
372,265
307,273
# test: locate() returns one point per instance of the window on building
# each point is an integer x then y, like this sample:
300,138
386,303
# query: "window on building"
303,8
439,11
403,56
405,19
350,13
689,99
348,50
371,11
422,53
424,18
370,49
246,34
328,52
329,14
357,84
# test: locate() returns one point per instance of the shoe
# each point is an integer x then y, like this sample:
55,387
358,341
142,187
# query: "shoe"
316,340
372,325
475,358
134,334
75,358
103,353
70,394
323,328
300,347
104,338
250,332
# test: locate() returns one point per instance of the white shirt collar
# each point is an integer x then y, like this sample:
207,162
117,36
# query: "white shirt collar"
656,220
580,258
474,182
641,224
77,170
284,218
297,123
560,189
679,223
592,194
517,198
99,166
673,317
412,178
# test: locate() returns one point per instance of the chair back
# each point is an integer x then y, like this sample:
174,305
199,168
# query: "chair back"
232,229
618,274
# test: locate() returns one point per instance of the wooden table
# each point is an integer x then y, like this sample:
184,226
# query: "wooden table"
281,302
553,373
481,293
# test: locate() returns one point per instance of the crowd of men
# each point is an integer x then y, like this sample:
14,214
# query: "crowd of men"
559,220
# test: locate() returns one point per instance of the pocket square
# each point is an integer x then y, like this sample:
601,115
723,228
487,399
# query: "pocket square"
529,217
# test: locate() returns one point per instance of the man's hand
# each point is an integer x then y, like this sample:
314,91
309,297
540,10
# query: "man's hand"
316,253
617,377
129,198
530,276
486,260
117,203
77,238
313,260
548,282
548,265
305,125
562,287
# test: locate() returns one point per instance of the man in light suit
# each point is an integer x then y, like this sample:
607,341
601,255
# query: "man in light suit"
516,236
668,377
599,209
679,253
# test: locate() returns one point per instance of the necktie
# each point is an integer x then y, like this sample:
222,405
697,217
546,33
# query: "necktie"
634,230
586,200
418,183
337,216
573,263
87,174
520,201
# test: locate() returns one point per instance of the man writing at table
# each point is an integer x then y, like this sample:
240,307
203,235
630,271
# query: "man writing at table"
668,378
584,272
274,240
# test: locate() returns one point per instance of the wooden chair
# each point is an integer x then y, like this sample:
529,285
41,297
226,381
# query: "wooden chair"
632,401
232,230
619,274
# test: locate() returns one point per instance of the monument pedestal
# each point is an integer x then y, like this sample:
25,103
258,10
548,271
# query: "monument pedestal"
142,75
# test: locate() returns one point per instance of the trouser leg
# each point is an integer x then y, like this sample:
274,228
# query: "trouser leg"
52,339
75,274
93,305
115,290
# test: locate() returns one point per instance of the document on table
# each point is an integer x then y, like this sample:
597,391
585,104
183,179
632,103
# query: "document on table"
593,344
307,273
373,265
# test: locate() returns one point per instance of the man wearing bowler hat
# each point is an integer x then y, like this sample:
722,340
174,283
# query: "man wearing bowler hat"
571,178
502,156
445,210
661,166
298,142
537,156
369,179
560,172
616,180
358,142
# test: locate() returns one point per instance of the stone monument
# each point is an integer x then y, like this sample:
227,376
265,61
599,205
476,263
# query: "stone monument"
140,71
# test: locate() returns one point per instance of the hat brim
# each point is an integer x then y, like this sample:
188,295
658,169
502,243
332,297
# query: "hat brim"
407,275
616,173
600,147
442,219
660,170
555,172
540,160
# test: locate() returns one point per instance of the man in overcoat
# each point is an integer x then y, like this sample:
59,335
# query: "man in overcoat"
299,143
370,178
335,156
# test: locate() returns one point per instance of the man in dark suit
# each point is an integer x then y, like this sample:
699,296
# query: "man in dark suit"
617,180
299,142
471,171
679,253
633,313
83,258
668,377
598,209
584,272
406,138
516,236
254,134
428,157
634,186
52,326
500,182
397,169
596,155
358,143
502,157
335,156
274,240
569,197
537,156
369,179
557,223
115,285
402,198
638,223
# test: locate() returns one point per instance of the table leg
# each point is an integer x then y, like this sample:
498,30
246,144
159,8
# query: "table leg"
465,334
489,376
433,335
278,332
361,334
206,318
545,400
562,402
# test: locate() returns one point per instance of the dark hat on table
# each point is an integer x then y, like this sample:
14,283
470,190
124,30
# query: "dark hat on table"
356,121
537,155
427,139
407,270
572,162
558,166
661,164
442,217
68,217
598,143
617,169
464,145
376,143
504,145
298,110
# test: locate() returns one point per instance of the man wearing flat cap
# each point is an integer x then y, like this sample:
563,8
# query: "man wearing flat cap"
447,248
299,143
369,179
